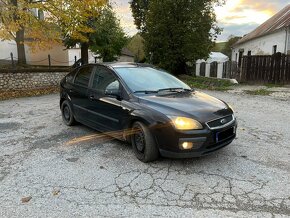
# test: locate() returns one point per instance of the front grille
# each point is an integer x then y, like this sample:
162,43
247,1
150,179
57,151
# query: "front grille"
221,122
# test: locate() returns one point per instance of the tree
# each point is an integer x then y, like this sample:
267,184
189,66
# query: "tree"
107,38
139,11
227,50
18,22
177,35
75,19
136,45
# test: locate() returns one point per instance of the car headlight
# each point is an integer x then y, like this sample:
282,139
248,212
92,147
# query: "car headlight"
231,107
184,123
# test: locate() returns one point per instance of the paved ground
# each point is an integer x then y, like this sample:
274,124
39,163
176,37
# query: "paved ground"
97,176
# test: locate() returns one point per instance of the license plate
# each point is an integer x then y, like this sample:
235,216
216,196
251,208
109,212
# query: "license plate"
220,136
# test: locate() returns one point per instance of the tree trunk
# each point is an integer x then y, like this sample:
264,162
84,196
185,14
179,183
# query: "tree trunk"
20,47
85,53
19,38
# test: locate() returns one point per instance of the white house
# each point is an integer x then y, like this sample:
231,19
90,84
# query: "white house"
126,56
270,37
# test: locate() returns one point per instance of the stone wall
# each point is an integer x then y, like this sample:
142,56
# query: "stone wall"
29,80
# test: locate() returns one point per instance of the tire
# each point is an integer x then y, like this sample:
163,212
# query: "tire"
67,113
143,143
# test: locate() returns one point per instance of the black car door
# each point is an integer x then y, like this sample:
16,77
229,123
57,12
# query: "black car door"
107,112
79,93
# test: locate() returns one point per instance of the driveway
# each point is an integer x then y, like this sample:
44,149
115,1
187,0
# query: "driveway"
50,170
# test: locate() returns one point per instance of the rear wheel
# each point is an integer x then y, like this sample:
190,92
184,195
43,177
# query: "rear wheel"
143,143
67,113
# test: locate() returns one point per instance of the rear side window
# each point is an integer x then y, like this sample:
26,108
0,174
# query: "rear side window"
70,77
83,76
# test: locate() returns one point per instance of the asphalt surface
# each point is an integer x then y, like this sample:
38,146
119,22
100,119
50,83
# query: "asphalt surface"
50,170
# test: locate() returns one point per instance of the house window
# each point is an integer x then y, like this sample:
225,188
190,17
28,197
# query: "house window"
249,53
274,49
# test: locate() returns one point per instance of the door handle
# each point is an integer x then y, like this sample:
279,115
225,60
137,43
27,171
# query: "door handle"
92,97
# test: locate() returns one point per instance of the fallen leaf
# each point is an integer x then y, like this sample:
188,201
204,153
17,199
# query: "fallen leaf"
55,192
26,199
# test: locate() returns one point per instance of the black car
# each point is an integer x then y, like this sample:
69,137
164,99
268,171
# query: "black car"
153,110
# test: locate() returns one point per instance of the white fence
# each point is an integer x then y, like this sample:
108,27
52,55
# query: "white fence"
228,69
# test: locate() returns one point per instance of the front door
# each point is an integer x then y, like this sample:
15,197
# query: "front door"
107,113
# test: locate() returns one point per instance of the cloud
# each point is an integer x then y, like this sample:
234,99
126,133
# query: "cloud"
236,30
236,17
123,11
239,17
260,5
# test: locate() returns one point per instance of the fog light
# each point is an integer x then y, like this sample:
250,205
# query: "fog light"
187,145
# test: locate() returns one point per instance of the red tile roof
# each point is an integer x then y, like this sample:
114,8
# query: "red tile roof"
278,21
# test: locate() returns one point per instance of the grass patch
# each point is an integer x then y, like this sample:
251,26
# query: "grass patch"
206,83
271,85
259,92
10,94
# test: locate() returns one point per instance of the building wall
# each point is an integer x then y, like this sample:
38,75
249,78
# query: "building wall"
125,58
58,54
6,47
30,80
262,45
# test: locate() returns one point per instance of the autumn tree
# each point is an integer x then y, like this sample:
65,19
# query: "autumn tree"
136,45
62,18
179,32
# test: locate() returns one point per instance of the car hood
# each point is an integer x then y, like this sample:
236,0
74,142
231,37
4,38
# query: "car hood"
198,105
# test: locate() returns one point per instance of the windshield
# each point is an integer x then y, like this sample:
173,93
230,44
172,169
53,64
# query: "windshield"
149,79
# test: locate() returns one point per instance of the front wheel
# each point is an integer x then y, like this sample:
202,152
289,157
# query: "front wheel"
143,143
67,113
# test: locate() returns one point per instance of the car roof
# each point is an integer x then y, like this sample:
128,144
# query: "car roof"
124,64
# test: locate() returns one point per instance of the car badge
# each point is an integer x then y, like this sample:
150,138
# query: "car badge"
223,121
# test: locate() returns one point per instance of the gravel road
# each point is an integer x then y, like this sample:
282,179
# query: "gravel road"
50,170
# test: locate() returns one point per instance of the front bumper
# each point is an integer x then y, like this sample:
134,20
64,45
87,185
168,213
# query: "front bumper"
205,141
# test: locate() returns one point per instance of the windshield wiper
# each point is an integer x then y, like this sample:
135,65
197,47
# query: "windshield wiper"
146,91
178,90
175,90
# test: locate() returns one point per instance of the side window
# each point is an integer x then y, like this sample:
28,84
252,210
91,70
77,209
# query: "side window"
105,82
70,77
83,76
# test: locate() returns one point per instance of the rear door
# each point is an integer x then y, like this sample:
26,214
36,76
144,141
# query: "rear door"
79,94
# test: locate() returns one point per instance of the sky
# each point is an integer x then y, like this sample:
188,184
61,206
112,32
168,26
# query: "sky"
236,17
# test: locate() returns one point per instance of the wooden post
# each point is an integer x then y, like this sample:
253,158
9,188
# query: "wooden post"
49,61
12,60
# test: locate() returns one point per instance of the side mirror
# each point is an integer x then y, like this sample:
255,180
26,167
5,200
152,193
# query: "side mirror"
114,93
